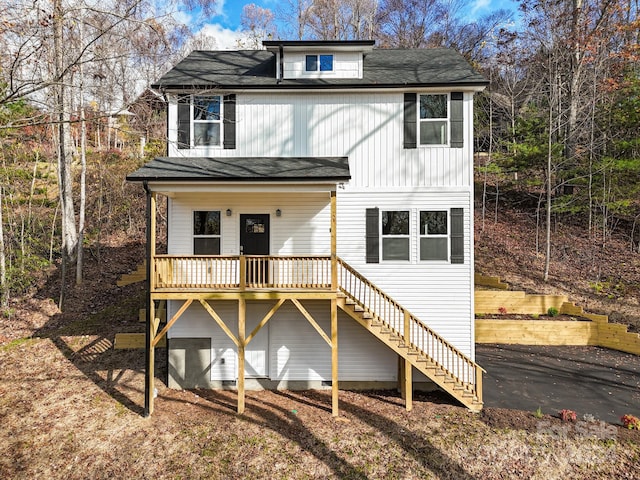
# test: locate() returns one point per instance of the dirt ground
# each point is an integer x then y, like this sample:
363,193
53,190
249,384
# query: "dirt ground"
71,407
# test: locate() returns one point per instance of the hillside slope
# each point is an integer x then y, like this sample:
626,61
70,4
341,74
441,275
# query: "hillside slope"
600,278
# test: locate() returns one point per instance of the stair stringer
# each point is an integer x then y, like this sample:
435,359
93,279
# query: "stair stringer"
418,358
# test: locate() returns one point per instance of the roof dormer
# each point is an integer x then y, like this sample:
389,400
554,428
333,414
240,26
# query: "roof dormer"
319,59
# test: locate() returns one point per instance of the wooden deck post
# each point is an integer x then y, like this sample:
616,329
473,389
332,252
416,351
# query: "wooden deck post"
406,367
334,243
242,313
334,357
407,386
243,272
149,385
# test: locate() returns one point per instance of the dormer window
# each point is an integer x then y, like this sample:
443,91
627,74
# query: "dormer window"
322,63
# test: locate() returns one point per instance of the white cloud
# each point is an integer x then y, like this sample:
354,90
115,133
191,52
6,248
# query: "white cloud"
480,5
226,39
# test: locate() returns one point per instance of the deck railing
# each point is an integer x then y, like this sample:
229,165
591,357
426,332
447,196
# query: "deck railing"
415,333
171,272
241,272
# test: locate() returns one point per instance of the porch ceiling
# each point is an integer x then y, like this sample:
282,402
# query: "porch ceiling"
244,169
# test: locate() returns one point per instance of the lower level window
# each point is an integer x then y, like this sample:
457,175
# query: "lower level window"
434,239
395,235
206,232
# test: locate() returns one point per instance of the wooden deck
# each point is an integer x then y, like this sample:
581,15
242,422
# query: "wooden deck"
197,279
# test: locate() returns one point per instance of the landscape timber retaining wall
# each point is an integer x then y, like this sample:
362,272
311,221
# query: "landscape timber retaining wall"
557,332
592,329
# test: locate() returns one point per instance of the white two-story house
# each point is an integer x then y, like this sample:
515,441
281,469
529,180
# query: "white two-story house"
320,220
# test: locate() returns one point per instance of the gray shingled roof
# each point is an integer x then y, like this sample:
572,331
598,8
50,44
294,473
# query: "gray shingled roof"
268,169
383,68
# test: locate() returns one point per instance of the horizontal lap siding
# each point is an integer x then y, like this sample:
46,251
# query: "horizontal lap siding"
366,127
439,293
302,228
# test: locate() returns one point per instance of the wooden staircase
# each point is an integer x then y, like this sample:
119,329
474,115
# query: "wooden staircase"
423,348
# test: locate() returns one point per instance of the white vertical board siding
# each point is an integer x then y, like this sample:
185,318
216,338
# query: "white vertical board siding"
299,353
439,293
292,347
302,229
366,127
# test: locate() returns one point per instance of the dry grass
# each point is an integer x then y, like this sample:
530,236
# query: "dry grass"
71,408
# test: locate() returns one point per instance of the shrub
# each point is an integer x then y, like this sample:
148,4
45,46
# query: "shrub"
502,310
630,422
568,415
552,311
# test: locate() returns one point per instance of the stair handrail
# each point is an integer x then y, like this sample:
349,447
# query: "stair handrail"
441,353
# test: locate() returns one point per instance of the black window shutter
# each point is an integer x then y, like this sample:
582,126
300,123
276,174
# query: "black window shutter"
184,121
457,122
410,126
373,235
229,141
457,235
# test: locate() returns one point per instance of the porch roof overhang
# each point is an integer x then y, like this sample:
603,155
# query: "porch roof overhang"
243,170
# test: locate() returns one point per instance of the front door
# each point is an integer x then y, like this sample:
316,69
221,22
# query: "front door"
254,240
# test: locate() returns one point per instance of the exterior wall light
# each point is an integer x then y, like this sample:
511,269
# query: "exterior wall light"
228,212
278,213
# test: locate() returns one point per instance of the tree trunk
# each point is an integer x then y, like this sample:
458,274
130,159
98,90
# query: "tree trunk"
65,181
83,172
4,288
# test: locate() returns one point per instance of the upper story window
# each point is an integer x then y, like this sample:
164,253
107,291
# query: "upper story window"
434,119
200,120
322,63
206,232
207,120
395,235
434,238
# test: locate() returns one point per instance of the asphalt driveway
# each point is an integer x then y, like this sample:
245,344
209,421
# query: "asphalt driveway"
589,380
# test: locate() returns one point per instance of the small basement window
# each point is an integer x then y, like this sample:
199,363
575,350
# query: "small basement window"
322,63
206,232
434,239
395,235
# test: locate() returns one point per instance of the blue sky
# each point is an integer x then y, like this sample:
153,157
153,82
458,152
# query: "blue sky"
225,25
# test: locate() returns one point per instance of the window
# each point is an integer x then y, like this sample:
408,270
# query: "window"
434,238
395,235
206,233
207,121
323,63
434,119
